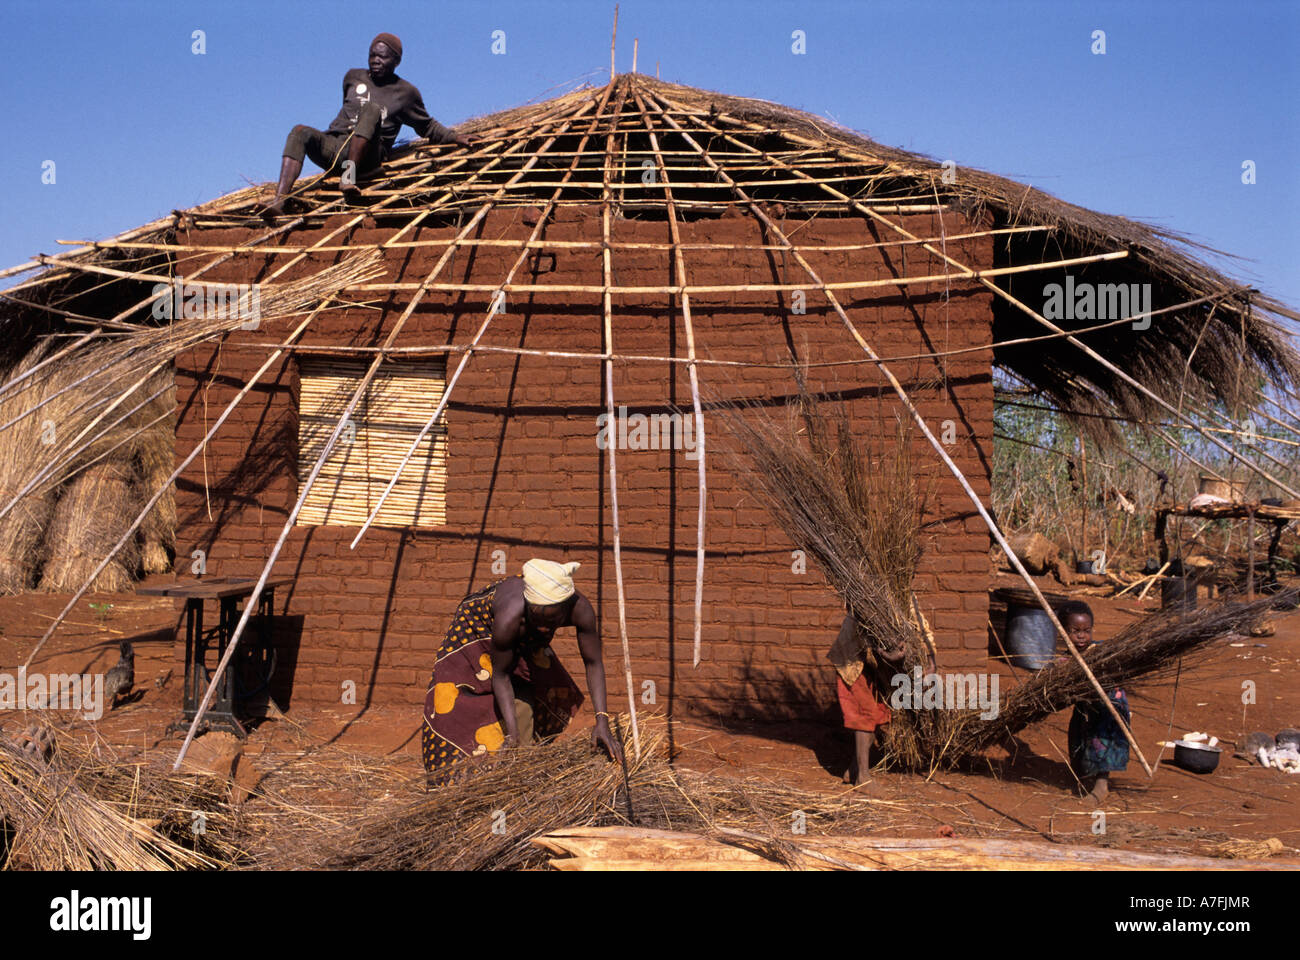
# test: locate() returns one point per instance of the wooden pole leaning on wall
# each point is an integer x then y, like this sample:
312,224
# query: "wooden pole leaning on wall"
328,447
679,263
607,272
934,442
613,36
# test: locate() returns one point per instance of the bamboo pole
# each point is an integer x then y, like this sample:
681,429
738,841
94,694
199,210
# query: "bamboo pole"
550,244
607,267
612,37
1181,451
701,361
251,602
649,188
542,221
1150,583
680,289
938,448
469,199
679,262
158,224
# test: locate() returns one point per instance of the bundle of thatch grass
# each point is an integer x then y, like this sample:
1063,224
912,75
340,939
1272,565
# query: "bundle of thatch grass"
487,818
86,524
154,453
22,529
1147,649
855,510
858,515
88,809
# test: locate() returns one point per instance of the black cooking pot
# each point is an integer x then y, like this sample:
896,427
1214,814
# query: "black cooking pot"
1196,757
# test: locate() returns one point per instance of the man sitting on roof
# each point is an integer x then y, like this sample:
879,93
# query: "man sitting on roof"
496,681
376,102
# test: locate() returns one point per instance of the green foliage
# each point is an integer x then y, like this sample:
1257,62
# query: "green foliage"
1038,478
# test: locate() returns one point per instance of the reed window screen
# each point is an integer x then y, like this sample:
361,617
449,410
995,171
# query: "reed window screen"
389,415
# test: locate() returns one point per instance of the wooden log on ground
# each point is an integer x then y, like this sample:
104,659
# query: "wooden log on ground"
635,848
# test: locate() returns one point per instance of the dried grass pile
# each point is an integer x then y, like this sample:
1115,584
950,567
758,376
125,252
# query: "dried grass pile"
21,530
332,809
856,511
487,819
86,523
87,809
155,459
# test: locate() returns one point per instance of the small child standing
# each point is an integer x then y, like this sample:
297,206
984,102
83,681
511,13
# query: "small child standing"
1097,744
862,705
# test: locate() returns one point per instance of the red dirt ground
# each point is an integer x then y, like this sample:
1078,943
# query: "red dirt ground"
1026,797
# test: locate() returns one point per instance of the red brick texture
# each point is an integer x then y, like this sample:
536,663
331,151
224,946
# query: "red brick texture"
525,476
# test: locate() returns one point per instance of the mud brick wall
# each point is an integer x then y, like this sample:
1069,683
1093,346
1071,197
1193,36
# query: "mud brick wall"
525,475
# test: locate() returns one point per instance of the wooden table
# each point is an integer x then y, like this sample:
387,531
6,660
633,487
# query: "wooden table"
250,670
1252,511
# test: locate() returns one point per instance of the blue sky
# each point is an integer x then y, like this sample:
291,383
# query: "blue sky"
1157,128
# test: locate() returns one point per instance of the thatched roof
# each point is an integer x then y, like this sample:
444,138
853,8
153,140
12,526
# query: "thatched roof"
1228,337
